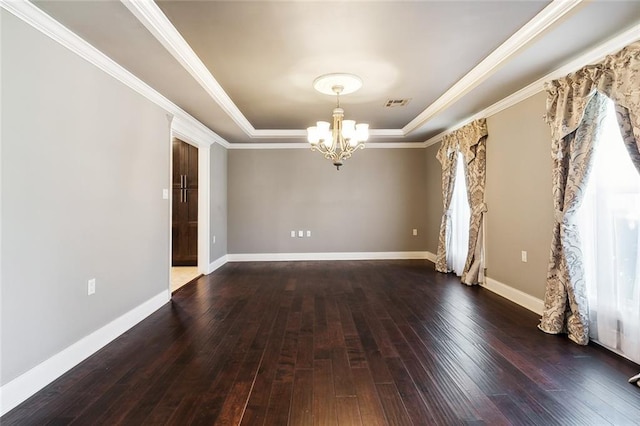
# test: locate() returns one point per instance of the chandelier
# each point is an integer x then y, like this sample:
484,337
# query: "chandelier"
337,143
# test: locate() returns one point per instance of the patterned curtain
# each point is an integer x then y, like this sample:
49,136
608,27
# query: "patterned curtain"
630,133
573,110
470,140
474,147
566,306
447,156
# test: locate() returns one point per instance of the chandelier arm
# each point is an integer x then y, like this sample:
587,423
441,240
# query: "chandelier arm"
338,148
327,153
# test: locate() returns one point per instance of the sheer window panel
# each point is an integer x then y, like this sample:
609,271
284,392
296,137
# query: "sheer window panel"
609,224
460,216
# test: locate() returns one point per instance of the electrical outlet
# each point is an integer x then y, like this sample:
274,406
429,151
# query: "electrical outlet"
91,286
293,234
308,234
415,232
523,256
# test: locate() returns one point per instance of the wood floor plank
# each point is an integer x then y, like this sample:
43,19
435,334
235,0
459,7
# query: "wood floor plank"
342,377
233,408
304,354
394,408
258,401
338,343
348,411
324,401
416,408
371,411
279,403
302,399
357,357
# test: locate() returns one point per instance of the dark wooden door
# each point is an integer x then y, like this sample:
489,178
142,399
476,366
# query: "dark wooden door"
184,222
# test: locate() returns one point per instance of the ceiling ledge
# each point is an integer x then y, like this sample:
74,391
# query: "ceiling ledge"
492,63
593,55
296,134
304,145
152,17
35,17
154,20
185,123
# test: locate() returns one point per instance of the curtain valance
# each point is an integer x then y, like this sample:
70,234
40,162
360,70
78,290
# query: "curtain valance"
463,139
617,77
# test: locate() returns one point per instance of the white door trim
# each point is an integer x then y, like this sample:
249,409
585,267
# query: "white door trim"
181,130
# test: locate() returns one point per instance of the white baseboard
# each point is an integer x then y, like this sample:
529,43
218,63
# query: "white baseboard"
27,384
219,262
431,256
516,296
282,257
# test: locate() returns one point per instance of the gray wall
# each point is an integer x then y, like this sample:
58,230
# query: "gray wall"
370,205
218,202
84,161
434,193
518,196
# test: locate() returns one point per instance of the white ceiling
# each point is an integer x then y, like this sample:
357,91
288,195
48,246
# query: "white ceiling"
245,68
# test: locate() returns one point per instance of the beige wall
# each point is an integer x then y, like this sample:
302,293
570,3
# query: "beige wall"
434,194
518,196
218,202
84,161
370,205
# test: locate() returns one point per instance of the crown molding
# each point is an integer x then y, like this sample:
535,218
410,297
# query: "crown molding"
303,145
302,133
388,133
38,19
152,17
593,55
279,133
283,145
184,123
543,20
394,145
195,132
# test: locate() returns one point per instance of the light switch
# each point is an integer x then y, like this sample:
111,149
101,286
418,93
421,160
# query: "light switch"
300,234
308,233
415,232
293,234
523,256
165,194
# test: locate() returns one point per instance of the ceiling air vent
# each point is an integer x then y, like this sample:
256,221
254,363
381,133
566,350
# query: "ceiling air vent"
391,103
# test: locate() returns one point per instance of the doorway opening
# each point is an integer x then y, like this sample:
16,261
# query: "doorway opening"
184,214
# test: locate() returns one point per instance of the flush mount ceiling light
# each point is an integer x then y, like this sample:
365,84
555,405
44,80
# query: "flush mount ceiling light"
337,143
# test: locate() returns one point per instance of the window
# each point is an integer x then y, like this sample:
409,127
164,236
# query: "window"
609,225
458,239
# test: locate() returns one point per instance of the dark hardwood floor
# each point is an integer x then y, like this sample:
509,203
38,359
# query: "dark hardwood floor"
348,343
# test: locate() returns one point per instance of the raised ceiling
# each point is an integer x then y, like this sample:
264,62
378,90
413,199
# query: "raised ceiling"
245,68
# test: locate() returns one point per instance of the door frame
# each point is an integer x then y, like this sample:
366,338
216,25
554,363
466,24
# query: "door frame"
186,133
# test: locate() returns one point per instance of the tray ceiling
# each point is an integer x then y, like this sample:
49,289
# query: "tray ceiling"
245,68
